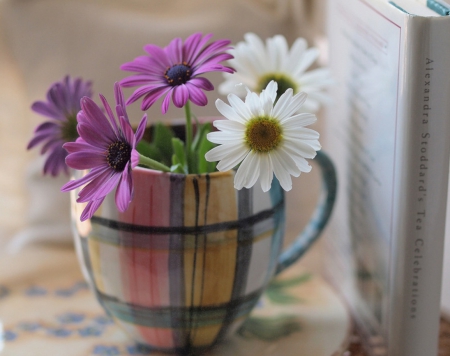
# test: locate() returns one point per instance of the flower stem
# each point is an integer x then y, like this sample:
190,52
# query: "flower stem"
187,109
151,163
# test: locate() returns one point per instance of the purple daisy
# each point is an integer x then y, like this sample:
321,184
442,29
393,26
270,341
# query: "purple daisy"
174,71
62,105
108,149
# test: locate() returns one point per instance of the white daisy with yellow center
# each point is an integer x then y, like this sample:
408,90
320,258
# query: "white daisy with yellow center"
257,63
264,137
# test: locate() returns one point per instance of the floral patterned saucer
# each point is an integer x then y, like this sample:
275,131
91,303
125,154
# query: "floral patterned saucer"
46,308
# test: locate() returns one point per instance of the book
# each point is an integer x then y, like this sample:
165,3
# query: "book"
388,133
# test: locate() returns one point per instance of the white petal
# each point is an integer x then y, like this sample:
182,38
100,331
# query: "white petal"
299,159
298,121
247,171
282,103
227,125
277,50
257,51
308,58
301,148
287,162
301,133
292,60
220,137
254,104
227,111
270,91
283,176
315,144
239,106
232,159
220,152
266,172
293,105
268,97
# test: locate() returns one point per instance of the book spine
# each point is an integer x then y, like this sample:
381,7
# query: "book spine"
423,138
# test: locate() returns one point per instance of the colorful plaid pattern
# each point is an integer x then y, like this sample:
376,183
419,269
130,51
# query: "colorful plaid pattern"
189,259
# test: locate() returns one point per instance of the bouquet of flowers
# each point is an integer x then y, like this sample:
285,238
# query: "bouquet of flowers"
271,99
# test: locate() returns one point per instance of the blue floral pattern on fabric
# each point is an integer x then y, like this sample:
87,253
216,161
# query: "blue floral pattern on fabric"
106,350
35,291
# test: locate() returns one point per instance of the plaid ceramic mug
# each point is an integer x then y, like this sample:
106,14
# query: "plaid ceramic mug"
186,263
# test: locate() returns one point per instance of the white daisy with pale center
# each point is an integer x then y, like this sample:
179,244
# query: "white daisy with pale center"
264,137
257,63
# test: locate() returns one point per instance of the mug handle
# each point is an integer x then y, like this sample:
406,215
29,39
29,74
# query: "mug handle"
319,218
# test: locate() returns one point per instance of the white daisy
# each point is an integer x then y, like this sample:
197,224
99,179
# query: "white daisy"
257,64
266,138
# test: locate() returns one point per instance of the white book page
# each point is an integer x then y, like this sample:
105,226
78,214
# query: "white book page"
361,132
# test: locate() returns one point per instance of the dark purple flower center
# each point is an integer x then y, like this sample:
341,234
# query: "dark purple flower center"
178,74
119,153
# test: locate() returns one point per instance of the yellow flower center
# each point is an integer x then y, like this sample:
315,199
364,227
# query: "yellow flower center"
69,131
263,134
284,83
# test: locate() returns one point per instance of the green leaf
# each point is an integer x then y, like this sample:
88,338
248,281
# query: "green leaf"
176,168
162,139
269,328
277,296
179,156
203,130
289,282
200,146
148,150
203,165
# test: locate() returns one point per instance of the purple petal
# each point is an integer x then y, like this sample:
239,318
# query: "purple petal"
44,131
55,162
153,96
99,187
81,145
212,49
134,158
118,95
139,64
124,190
145,90
213,68
166,102
90,209
159,55
52,144
127,131
48,110
174,51
94,173
81,117
93,137
56,96
112,118
97,119
141,128
197,96
194,45
216,59
140,79
180,95
85,160
201,83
